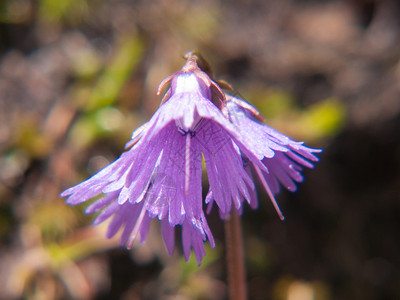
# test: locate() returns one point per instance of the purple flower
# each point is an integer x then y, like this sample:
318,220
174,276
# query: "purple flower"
284,159
160,176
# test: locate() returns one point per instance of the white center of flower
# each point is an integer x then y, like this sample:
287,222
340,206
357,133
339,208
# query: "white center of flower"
186,82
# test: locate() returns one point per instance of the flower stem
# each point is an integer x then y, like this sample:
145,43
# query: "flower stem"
235,258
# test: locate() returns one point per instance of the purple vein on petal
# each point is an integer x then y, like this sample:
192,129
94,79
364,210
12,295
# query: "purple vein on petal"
187,163
135,230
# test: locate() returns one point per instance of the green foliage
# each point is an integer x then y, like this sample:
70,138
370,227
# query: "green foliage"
190,267
62,254
273,103
100,117
116,74
192,281
56,11
86,65
326,117
320,120
53,218
29,138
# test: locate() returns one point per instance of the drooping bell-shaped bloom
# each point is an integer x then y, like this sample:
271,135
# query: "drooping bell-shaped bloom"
160,175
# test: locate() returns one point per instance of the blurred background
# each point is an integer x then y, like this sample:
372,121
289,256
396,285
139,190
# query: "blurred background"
77,76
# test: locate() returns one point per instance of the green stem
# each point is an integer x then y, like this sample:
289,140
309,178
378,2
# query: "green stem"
235,258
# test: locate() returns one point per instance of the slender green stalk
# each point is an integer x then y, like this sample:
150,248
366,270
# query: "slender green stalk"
235,258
